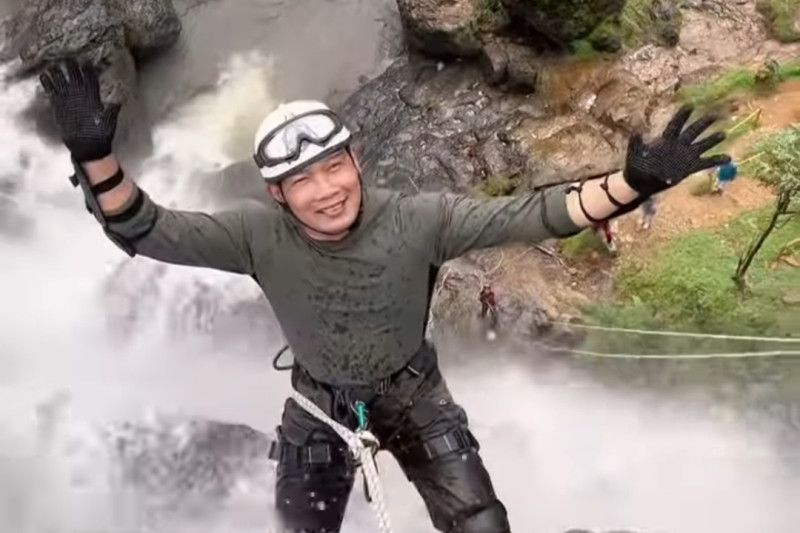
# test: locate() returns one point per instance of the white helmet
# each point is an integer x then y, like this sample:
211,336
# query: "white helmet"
296,135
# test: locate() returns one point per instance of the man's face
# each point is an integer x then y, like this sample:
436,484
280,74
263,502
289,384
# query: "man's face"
325,197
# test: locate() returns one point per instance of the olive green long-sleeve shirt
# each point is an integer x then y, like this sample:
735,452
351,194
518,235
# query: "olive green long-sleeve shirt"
353,311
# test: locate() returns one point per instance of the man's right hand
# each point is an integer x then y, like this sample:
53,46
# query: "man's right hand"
87,127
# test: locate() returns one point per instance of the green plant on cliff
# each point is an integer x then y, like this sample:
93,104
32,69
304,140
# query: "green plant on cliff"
782,18
499,185
777,163
491,14
635,25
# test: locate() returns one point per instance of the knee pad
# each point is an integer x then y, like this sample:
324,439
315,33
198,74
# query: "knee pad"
489,519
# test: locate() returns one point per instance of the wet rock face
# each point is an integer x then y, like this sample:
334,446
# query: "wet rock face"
423,126
109,34
149,25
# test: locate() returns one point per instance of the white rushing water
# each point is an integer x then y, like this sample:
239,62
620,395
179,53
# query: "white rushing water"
562,455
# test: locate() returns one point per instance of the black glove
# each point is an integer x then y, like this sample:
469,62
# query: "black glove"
651,168
87,128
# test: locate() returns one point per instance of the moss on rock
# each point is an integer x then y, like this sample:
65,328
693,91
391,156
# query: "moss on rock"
782,17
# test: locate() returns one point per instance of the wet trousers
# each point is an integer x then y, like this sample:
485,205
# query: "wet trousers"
415,418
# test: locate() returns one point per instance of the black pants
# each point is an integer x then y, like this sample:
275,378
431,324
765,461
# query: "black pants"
415,419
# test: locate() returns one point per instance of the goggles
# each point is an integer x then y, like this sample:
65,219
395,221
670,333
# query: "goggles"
285,144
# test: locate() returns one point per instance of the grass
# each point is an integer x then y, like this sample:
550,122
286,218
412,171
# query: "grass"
781,16
730,84
688,286
582,245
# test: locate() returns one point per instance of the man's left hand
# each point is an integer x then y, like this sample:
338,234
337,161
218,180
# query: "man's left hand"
677,154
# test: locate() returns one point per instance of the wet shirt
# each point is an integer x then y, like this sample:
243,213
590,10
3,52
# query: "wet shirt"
353,311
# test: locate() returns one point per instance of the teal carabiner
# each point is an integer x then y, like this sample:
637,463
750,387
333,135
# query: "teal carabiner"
361,413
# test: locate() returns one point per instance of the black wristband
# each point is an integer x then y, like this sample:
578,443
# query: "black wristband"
611,199
109,184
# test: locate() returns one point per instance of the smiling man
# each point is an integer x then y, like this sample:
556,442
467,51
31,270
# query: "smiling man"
349,271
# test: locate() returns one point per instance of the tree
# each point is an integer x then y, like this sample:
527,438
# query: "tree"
776,163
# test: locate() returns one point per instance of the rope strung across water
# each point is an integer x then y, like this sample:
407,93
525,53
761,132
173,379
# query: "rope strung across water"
791,340
362,444
699,356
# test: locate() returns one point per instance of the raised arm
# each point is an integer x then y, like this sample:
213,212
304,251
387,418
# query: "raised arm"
462,223
128,216
649,169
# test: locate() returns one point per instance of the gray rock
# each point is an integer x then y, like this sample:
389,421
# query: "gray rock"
149,25
494,62
667,20
524,66
101,32
442,28
57,29
451,130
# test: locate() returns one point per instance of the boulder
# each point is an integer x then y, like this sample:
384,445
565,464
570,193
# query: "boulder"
442,28
107,34
149,25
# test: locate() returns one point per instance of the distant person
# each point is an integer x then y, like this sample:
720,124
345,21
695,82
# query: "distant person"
607,231
489,311
725,176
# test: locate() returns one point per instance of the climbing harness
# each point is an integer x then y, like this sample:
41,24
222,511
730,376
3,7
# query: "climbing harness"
363,445
276,360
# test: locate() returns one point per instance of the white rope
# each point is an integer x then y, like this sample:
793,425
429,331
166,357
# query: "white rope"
361,443
791,340
589,353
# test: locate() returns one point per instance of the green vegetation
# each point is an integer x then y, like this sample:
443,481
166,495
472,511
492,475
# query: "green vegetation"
491,14
688,286
635,26
606,37
583,245
776,162
781,17
583,49
499,185
635,22
733,83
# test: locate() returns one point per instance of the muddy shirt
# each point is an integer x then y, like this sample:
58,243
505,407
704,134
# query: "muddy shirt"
353,311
